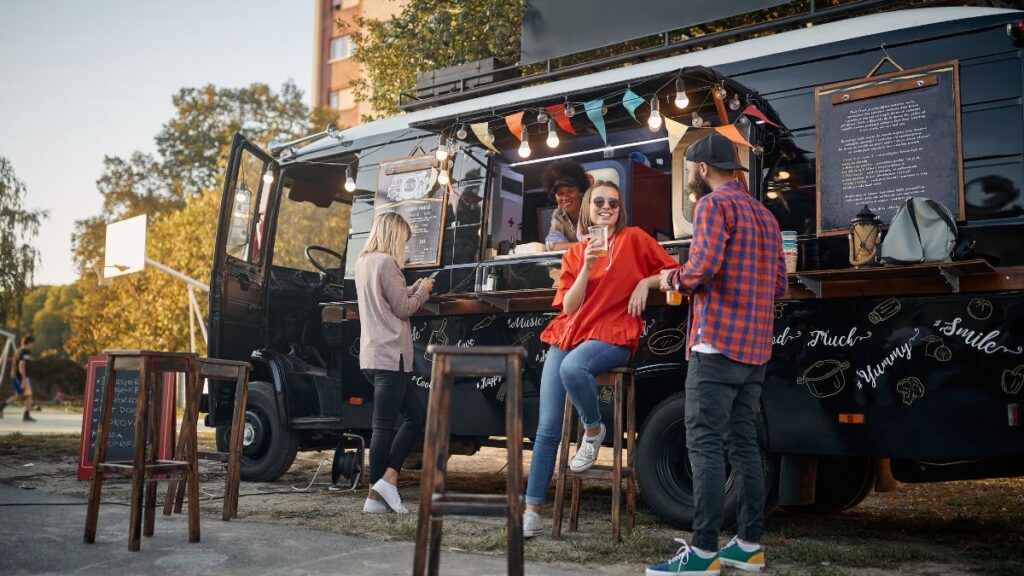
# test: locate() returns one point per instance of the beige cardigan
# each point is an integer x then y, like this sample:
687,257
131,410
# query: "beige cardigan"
385,305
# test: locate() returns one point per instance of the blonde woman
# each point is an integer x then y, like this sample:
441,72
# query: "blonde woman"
385,355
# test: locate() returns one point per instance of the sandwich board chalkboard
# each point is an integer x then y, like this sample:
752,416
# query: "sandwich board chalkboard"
409,186
121,441
886,138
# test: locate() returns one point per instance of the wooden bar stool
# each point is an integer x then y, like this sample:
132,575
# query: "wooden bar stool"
144,467
450,363
620,380
216,370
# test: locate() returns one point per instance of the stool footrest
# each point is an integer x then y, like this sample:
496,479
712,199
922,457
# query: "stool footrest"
128,469
215,456
597,473
468,505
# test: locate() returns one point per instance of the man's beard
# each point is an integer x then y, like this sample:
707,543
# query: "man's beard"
698,186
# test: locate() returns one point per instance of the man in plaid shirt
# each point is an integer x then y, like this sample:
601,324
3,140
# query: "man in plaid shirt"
735,271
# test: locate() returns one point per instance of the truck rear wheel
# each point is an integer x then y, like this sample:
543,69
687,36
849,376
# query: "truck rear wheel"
664,473
268,446
842,483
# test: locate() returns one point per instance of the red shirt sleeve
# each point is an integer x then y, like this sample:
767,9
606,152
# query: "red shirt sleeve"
571,262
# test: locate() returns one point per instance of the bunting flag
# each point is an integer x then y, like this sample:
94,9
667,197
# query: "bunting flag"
595,111
676,131
631,101
753,111
557,113
480,129
515,124
733,134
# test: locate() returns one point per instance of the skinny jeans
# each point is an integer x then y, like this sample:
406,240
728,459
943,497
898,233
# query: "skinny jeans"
395,404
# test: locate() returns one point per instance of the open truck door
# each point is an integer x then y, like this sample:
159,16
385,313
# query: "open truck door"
238,282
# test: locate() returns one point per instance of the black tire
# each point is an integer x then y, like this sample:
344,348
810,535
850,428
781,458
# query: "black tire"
663,468
269,447
841,484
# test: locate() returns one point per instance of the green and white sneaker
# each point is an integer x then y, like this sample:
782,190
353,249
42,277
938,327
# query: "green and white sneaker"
734,556
687,561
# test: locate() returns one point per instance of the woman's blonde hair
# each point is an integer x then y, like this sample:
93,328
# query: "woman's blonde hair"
388,234
585,222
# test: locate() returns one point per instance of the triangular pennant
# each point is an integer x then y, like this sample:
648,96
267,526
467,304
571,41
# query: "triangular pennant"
676,131
557,113
753,111
595,111
515,124
733,134
631,101
480,129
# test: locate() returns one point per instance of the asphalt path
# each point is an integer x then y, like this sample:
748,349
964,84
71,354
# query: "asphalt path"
49,420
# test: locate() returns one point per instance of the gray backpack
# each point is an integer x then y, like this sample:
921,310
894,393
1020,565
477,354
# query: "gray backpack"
922,230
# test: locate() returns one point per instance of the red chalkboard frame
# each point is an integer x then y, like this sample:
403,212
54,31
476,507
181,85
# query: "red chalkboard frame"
168,413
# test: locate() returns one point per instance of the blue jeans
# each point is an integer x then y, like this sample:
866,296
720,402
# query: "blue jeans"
569,372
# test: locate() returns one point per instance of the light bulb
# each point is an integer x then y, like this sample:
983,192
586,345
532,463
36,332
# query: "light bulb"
693,197
695,120
570,111
552,140
782,175
758,150
350,182
542,117
268,177
720,92
443,178
524,146
442,152
461,134
489,137
241,196
654,120
734,104
743,119
773,195
604,110
682,100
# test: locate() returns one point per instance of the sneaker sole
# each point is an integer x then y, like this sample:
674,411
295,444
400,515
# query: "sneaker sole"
387,505
695,573
531,533
582,468
742,565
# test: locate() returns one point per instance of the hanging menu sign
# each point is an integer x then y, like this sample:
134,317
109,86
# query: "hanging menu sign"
409,187
887,138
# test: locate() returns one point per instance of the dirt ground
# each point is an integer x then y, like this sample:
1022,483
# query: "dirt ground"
972,527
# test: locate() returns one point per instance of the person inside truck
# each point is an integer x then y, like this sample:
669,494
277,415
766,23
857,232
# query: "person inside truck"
601,295
385,355
565,182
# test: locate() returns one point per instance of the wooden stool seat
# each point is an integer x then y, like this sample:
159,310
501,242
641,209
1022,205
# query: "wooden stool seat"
451,363
620,380
144,468
215,369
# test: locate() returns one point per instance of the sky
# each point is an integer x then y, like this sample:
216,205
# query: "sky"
81,80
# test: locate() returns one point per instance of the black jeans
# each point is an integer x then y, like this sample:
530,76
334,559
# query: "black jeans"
393,400
722,398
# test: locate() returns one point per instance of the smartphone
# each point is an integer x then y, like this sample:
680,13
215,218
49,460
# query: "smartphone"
434,275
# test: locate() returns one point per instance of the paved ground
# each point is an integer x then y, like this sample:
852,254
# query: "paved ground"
40,536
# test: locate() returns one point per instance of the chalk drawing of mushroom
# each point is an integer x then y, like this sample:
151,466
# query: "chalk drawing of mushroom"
936,348
667,341
437,337
825,378
885,310
484,323
911,389
979,309
1013,380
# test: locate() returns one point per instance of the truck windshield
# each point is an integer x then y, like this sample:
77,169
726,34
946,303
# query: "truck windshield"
302,223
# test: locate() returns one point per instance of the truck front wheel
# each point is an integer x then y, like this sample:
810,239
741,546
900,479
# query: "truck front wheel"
664,473
268,446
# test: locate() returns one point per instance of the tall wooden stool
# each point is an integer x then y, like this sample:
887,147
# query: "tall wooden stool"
144,467
214,369
450,363
620,380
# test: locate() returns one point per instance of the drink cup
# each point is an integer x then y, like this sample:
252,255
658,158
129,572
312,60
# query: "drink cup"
791,257
674,298
788,235
599,237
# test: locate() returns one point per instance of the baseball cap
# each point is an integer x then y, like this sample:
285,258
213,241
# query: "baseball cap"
715,150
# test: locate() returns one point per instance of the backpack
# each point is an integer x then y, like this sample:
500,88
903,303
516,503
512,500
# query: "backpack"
922,230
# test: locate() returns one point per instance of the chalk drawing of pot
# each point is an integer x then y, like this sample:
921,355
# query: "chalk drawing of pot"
1013,380
825,378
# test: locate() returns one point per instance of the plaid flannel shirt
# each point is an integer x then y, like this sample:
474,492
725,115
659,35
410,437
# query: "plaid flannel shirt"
735,271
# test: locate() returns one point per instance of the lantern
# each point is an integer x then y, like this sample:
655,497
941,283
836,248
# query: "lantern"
865,237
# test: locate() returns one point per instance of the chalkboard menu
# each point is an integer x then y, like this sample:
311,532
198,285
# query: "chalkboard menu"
121,441
409,186
887,138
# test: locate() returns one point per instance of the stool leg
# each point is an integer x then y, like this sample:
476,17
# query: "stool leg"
429,472
617,461
631,449
100,456
568,416
138,459
192,475
173,483
234,473
155,413
577,485
440,479
191,446
514,443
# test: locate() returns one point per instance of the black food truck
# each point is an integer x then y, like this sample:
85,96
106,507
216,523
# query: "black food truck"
913,371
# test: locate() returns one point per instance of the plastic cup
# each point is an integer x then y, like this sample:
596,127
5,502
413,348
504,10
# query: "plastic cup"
789,234
599,237
674,298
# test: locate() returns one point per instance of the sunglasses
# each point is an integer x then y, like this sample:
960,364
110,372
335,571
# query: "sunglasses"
612,202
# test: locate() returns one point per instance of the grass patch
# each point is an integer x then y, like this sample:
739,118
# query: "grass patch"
23,447
869,554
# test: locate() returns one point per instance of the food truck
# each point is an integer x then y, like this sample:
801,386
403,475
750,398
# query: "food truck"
915,371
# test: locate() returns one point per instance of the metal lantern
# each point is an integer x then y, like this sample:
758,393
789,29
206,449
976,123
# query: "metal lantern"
865,237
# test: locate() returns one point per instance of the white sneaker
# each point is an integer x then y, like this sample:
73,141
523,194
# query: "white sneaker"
374,507
532,524
586,455
389,496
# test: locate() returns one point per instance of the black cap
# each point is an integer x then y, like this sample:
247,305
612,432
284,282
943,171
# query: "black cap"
564,173
715,150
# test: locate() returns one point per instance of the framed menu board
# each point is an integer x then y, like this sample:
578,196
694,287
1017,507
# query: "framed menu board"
887,138
409,186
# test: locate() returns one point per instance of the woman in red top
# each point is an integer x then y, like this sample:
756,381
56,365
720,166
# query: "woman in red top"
601,298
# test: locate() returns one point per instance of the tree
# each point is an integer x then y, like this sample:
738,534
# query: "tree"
18,227
427,35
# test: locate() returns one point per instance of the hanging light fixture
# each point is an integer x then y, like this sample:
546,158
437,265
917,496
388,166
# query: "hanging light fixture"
570,111
444,178
734,104
542,117
720,92
461,134
268,177
695,120
350,182
743,119
524,145
552,140
654,120
442,151
682,100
